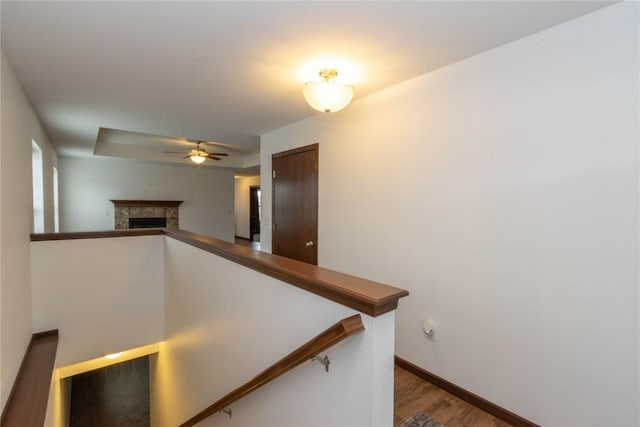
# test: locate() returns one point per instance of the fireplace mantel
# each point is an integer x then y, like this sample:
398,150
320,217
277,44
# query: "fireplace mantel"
160,203
126,210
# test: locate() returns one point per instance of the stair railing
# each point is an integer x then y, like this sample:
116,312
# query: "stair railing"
310,350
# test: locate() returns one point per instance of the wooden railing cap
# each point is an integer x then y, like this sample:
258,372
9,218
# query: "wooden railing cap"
366,296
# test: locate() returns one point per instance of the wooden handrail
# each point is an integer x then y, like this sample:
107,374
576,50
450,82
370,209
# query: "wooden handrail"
366,296
336,333
27,402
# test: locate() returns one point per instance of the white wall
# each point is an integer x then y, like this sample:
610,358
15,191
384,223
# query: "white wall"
49,159
243,204
19,126
104,295
226,323
502,192
87,185
221,323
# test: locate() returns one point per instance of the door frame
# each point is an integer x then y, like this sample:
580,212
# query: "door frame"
253,197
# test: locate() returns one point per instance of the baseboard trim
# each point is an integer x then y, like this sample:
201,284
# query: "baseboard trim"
467,396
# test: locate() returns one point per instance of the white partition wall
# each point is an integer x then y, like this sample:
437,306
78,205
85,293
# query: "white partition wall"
225,323
217,324
103,295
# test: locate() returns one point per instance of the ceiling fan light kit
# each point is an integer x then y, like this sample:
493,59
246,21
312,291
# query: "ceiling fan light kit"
327,95
197,159
199,155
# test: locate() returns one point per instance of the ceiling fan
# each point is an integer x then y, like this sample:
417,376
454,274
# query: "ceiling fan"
197,154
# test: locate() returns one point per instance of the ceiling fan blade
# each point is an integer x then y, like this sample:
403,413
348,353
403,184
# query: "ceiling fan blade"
209,156
230,147
218,154
187,156
200,141
174,152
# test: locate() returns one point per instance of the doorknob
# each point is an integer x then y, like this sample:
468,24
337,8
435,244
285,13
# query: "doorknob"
309,244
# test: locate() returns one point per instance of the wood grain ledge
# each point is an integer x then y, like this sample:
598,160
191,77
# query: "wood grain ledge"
26,405
148,203
372,298
41,237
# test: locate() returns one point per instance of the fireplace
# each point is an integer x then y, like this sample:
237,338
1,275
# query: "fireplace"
146,213
160,222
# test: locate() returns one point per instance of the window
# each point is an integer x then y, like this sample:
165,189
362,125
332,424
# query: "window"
38,188
56,206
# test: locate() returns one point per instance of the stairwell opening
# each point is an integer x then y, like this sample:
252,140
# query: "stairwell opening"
116,395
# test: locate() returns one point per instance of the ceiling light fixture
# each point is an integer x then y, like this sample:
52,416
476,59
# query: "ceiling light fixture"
327,95
197,158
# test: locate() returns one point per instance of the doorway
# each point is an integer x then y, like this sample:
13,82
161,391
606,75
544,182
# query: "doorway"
295,204
255,212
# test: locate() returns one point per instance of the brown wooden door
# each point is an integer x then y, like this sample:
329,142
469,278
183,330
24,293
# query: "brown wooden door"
295,204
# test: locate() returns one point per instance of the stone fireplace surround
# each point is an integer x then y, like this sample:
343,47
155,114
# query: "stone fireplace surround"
125,209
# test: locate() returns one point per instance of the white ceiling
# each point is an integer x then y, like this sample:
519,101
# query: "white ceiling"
230,71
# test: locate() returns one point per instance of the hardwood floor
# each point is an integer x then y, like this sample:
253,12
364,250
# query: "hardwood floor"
413,394
246,242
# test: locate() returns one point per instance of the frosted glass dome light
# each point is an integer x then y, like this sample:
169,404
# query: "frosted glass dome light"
198,158
328,95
